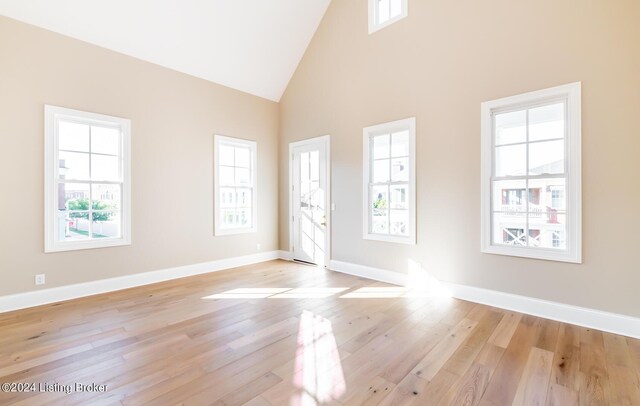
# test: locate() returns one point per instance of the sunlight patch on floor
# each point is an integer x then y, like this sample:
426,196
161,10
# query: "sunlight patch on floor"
376,292
305,293
319,374
420,284
248,293
278,293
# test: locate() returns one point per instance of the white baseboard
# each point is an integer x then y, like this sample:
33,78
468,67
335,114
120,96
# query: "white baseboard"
286,255
53,295
581,316
377,274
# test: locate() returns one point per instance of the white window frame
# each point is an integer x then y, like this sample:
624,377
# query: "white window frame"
237,142
52,115
373,15
571,93
368,134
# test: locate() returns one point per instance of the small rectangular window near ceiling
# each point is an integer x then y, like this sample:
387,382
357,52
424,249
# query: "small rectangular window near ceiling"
385,12
235,185
87,180
531,175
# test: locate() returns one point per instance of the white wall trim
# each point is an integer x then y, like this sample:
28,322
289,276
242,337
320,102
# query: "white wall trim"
368,272
62,293
581,316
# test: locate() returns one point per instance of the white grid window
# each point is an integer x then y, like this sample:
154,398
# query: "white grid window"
531,175
235,185
389,182
87,191
385,12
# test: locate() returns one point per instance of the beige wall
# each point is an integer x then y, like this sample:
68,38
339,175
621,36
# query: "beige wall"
439,64
173,116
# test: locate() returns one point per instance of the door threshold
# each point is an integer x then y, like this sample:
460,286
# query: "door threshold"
304,262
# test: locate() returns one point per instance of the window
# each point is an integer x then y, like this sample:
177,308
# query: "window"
385,12
235,186
531,180
389,182
557,239
557,196
87,180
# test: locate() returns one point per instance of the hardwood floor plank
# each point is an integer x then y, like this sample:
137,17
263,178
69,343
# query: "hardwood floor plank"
548,336
470,388
594,377
566,361
430,365
506,378
624,386
258,401
245,393
152,392
437,388
505,330
534,383
466,353
411,352
562,396
371,394
406,392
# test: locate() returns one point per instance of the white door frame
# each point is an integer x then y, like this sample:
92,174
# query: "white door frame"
326,139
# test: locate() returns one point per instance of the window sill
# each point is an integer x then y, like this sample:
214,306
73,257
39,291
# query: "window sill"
535,253
384,238
85,245
233,231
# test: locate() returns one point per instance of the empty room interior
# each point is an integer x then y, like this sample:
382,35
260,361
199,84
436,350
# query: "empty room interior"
319,202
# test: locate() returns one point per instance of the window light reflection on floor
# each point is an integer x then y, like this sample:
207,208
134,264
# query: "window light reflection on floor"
304,293
278,293
248,293
420,284
318,371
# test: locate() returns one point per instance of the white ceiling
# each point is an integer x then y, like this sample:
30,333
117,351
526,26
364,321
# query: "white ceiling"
250,45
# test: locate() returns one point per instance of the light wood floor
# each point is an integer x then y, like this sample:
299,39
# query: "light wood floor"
280,333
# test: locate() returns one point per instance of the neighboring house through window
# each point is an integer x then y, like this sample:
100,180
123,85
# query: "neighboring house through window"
235,185
389,182
531,175
87,180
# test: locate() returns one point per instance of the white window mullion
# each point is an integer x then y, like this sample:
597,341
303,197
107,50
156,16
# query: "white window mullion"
549,106
369,137
526,169
388,183
225,225
72,131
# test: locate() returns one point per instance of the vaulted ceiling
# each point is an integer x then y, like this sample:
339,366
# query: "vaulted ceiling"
250,45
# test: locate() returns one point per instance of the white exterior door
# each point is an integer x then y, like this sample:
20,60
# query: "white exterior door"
309,201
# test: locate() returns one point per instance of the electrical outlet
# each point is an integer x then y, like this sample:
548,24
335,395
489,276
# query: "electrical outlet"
40,280
258,247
